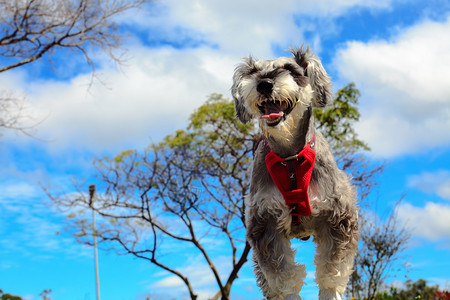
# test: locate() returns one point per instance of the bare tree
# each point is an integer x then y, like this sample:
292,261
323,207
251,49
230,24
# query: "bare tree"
32,29
190,186
12,112
382,243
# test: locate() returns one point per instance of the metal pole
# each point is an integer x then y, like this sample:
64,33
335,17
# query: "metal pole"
94,234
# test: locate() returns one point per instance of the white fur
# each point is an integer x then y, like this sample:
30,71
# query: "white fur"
288,126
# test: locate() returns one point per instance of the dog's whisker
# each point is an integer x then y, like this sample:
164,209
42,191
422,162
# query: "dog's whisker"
246,98
291,126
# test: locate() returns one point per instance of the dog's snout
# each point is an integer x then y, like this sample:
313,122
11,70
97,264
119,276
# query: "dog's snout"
265,86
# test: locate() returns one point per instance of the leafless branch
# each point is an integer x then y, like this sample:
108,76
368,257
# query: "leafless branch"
31,28
382,244
16,115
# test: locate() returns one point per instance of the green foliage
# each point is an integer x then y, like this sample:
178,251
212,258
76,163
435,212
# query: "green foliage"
123,155
45,295
72,215
214,111
8,296
179,139
214,137
417,290
337,119
413,290
208,123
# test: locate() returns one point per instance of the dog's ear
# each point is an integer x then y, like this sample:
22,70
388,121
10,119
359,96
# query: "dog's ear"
239,100
319,79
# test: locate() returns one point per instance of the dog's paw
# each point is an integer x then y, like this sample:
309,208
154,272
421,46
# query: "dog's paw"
329,295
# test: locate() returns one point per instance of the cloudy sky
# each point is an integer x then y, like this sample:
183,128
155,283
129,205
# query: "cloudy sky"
179,52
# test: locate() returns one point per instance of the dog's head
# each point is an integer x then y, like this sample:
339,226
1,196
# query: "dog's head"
277,91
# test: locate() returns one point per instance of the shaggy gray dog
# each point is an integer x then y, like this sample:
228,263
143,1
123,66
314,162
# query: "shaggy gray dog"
312,196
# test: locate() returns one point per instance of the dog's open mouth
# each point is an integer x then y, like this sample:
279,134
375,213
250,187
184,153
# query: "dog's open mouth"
273,111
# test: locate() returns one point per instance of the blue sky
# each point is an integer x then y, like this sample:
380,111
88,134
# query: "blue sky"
178,53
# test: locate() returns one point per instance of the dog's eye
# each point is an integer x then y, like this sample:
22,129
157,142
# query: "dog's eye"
252,70
295,70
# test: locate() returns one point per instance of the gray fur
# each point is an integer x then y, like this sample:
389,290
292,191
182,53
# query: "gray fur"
300,81
319,79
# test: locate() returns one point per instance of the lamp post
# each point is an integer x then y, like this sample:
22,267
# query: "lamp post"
94,234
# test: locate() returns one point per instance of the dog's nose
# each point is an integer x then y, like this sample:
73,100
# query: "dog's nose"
265,86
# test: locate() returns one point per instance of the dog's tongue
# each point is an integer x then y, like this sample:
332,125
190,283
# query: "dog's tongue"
273,110
272,115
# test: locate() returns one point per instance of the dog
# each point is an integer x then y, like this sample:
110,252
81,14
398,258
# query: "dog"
296,188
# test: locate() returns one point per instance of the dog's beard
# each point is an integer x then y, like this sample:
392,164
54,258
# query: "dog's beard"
278,118
282,127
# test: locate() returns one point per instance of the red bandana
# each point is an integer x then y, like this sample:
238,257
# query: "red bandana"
292,175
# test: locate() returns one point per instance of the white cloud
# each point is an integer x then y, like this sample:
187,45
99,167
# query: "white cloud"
153,97
430,222
444,283
327,8
405,91
200,276
432,183
161,85
244,27
239,26
18,190
169,282
31,228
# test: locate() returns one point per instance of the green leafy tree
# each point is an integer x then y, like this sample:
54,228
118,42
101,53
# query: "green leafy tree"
414,290
417,290
7,296
191,186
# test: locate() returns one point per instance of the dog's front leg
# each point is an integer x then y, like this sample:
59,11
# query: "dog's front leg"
278,276
336,249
